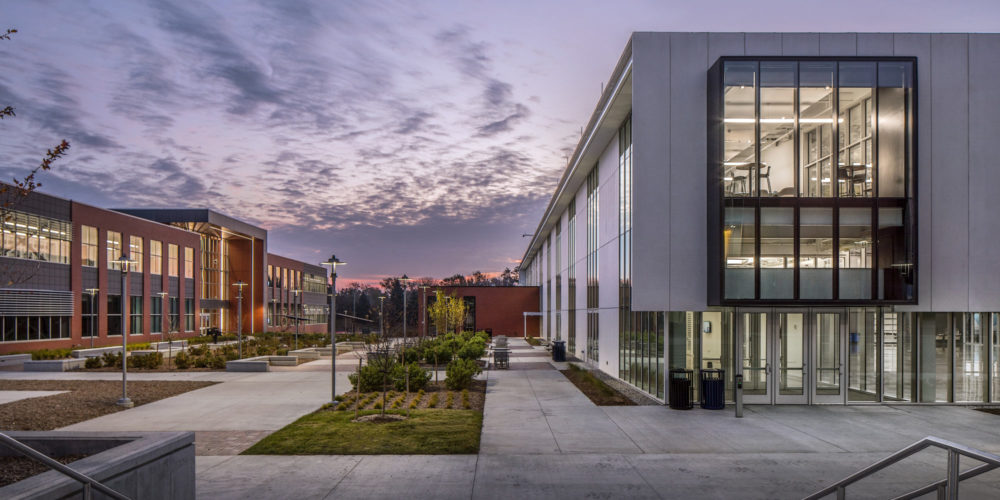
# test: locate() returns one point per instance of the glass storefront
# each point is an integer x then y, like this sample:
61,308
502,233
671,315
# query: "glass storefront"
841,355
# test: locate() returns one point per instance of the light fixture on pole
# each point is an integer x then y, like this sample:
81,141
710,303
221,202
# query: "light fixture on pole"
406,369
381,326
298,296
164,331
423,292
331,294
93,317
239,316
124,262
164,328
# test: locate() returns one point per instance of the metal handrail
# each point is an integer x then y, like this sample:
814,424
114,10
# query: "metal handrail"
87,481
946,488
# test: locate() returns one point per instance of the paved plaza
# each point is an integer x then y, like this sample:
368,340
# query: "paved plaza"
542,438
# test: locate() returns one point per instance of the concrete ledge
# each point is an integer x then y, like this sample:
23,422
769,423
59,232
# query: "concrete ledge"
14,359
174,344
54,365
258,364
156,465
95,351
283,360
308,353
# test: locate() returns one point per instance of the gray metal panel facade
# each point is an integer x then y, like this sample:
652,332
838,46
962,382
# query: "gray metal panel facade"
984,172
650,170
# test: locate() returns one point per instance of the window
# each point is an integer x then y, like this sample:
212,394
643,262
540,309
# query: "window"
114,314
24,328
171,260
88,246
135,315
114,249
89,311
135,253
571,278
156,314
188,262
28,236
175,314
270,276
155,257
188,315
814,162
314,283
592,275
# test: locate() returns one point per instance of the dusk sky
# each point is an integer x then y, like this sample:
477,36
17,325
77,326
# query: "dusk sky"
406,137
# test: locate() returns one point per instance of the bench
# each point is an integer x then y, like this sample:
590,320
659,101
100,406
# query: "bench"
501,358
95,352
55,365
14,359
260,363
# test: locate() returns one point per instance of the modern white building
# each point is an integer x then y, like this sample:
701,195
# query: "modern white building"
811,210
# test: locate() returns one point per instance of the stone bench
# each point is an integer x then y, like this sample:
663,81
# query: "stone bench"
260,363
94,352
174,344
55,365
14,359
307,353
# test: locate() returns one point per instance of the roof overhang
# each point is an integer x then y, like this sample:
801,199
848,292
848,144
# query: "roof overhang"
613,107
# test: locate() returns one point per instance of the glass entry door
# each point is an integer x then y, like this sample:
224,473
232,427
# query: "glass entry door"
774,351
792,357
828,358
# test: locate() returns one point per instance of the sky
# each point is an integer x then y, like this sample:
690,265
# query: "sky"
406,137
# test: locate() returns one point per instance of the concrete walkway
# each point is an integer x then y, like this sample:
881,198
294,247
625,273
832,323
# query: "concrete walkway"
543,439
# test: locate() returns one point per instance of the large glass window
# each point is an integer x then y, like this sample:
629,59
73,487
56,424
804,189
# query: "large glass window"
89,311
816,253
593,201
189,263
175,314
155,257
776,174
898,357
114,314
970,357
787,138
88,246
172,264
29,236
114,249
739,150
135,253
738,237
571,278
135,315
189,315
855,257
854,129
156,314
816,128
777,253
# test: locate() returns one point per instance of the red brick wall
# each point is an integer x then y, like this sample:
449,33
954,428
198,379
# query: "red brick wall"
497,307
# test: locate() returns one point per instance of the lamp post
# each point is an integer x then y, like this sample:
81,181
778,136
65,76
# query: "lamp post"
332,298
423,292
239,316
164,331
93,327
123,263
406,369
381,326
298,298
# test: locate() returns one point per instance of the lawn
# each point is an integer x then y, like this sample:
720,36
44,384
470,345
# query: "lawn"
327,432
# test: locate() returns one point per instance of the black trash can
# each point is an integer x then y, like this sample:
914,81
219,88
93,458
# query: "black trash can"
680,389
559,350
713,389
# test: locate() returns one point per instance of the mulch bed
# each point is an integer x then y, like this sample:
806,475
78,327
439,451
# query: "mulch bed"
87,399
477,398
994,410
14,469
598,392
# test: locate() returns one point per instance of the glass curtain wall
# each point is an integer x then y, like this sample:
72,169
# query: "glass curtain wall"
592,291
800,154
970,357
558,272
571,279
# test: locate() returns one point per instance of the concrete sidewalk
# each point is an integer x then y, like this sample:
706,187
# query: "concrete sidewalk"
542,438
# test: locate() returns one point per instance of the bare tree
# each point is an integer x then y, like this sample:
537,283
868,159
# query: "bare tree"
382,358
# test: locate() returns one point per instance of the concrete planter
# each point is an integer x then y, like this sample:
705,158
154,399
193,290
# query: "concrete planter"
94,352
14,359
149,465
55,365
260,363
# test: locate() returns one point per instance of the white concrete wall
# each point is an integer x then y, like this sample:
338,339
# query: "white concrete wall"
958,100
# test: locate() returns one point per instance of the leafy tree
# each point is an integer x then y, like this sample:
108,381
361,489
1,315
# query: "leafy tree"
11,195
447,313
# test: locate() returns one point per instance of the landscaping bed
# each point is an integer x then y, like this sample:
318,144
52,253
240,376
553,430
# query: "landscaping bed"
594,388
441,422
14,469
85,400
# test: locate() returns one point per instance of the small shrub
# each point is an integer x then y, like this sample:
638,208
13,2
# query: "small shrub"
112,359
433,401
371,379
94,362
443,353
465,399
51,354
418,377
460,373
198,350
338,398
341,406
533,341
378,405
146,361
217,363
449,400
472,350
201,362
182,361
